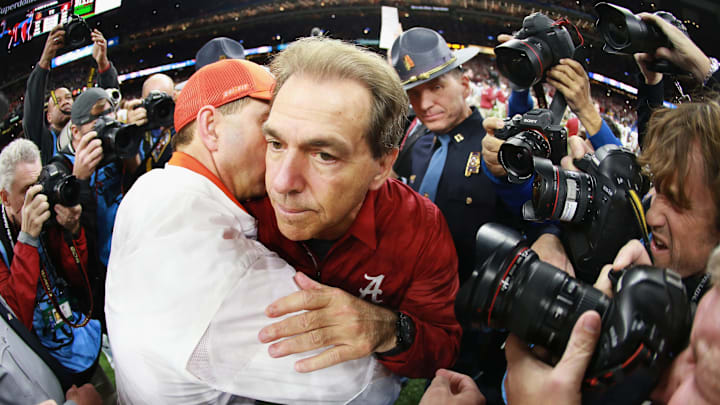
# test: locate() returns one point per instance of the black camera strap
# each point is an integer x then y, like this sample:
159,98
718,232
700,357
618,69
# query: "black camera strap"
557,105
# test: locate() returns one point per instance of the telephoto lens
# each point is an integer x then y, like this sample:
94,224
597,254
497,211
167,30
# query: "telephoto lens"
644,326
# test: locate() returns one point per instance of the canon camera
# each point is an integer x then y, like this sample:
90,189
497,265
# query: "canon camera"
59,184
626,33
644,326
599,207
77,32
119,141
535,48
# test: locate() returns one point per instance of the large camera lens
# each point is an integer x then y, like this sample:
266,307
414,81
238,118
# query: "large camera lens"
160,109
59,185
624,32
67,191
564,195
523,62
512,289
127,141
516,154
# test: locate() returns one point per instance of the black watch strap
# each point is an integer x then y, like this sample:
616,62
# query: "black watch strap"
404,335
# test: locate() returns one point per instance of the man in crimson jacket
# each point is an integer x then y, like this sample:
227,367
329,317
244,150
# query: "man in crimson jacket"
381,258
41,271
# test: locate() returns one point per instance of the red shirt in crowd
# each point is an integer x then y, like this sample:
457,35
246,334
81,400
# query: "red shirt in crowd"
19,283
397,254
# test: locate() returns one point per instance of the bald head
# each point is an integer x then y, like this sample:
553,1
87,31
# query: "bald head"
159,82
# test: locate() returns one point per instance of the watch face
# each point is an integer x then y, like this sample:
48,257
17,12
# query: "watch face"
407,330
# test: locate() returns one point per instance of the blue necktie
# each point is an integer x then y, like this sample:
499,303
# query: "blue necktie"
434,171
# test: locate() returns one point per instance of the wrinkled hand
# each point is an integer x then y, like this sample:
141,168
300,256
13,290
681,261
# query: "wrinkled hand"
99,50
452,388
54,42
69,217
353,327
569,77
85,395
136,115
550,249
87,156
578,148
531,381
35,211
491,146
684,53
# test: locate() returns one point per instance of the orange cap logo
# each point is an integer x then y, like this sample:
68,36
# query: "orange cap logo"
409,64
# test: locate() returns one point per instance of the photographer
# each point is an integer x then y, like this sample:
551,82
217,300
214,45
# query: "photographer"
45,133
86,152
692,379
685,54
43,270
155,149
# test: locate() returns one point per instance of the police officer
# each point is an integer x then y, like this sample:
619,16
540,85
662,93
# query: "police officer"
442,158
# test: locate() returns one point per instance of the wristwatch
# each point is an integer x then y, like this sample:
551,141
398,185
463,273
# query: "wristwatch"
404,335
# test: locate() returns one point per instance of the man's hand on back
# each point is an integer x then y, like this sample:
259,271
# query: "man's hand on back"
354,327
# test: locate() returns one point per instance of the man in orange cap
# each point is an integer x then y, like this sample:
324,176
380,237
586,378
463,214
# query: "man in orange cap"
188,283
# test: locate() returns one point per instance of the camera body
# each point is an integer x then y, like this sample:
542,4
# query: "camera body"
160,109
644,326
526,136
535,48
626,33
592,204
59,184
77,32
119,141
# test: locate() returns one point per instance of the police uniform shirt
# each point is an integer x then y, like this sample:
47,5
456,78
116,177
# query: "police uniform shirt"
465,195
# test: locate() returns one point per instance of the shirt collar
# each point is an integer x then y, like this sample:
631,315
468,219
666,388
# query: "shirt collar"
363,228
182,159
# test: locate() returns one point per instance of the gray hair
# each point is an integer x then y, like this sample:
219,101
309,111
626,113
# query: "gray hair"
19,150
321,58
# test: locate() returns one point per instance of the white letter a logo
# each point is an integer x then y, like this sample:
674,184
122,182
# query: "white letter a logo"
373,288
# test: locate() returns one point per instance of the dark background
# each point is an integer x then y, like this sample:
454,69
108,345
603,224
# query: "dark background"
157,32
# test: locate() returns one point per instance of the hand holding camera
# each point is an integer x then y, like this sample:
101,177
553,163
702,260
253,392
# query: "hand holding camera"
35,211
644,325
87,156
491,146
55,41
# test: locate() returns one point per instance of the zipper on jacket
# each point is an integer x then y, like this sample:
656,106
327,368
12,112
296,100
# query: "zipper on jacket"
314,260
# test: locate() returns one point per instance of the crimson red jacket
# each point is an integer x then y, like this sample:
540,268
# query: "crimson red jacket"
398,254
19,283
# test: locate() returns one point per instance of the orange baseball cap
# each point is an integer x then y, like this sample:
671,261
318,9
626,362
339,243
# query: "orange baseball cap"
220,83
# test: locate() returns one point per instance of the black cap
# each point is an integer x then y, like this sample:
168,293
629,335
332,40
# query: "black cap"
82,106
217,49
